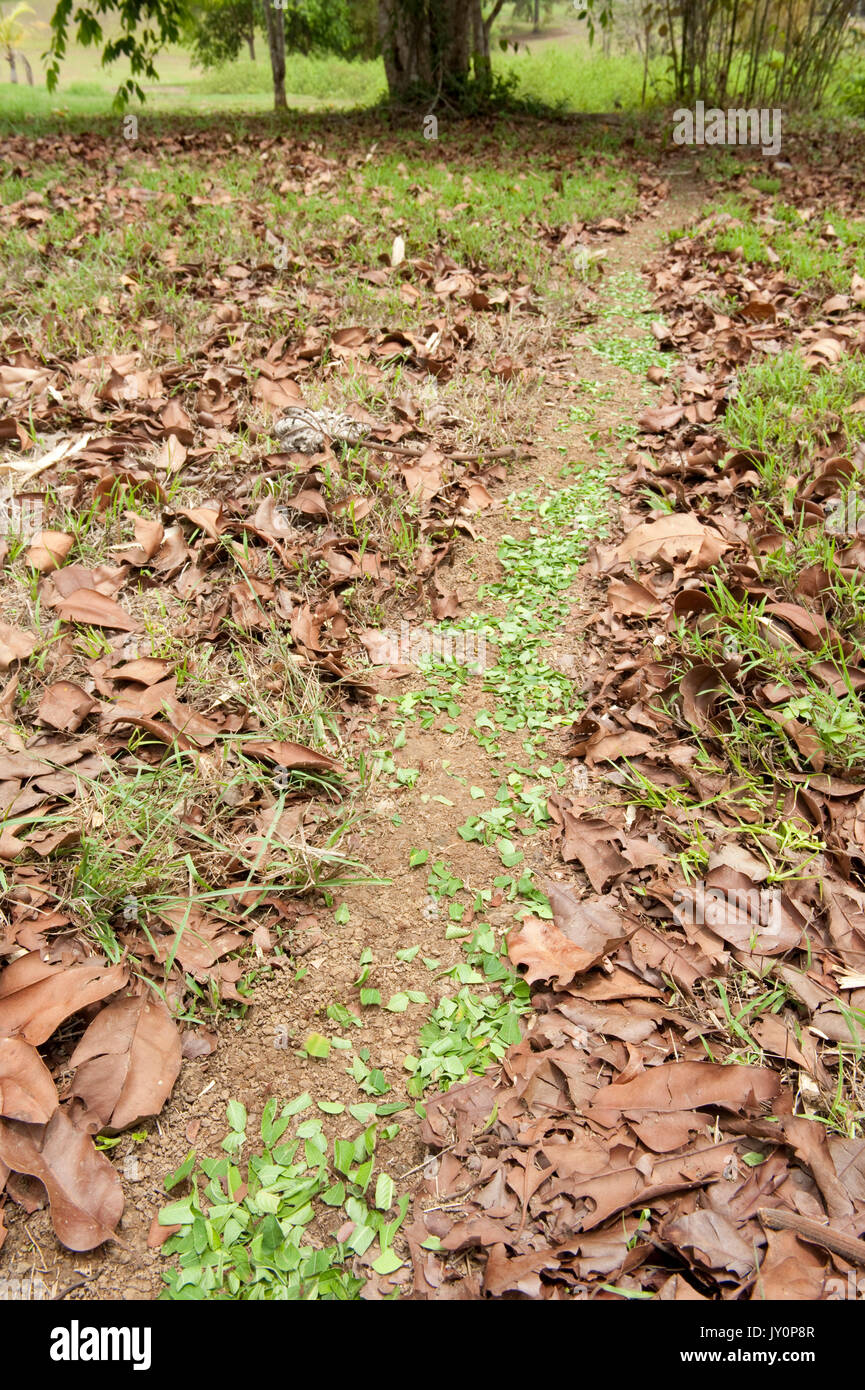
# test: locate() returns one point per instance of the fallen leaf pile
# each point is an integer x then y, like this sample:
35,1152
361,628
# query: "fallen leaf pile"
643,1140
214,539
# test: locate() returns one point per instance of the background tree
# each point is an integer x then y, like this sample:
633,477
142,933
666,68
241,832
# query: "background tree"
530,11
757,52
11,32
307,26
146,27
435,46
217,30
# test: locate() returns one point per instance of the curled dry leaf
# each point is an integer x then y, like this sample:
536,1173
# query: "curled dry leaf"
36,995
127,1061
149,536
15,645
83,1188
48,550
288,755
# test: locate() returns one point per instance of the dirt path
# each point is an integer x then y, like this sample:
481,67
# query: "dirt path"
423,785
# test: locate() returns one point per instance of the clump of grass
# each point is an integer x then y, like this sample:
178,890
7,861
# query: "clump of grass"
807,251
791,414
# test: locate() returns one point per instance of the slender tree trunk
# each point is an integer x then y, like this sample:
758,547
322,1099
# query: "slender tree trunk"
537,25
250,43
13,71
274,22
27,68
489,22
481,62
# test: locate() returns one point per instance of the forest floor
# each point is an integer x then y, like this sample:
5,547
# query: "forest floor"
459,858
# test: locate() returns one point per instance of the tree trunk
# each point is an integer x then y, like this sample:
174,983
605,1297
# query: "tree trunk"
537,27
484,69
481,61
27,68
425,44
250,42
274,22
13,71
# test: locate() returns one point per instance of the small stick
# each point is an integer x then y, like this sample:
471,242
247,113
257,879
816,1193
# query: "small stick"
848,1247
429,1159
55,1298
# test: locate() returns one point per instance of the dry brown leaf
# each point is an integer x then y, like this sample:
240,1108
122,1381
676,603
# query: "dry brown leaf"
688,1086
48,550
547,953
676,538
96,610
65,706
288,755
83,1188
27,1091
127,1061
15,645
36,995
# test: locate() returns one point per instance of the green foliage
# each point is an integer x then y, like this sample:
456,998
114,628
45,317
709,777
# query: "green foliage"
146,26
761,52
217,30
11,32
248,1240
320,77
319,26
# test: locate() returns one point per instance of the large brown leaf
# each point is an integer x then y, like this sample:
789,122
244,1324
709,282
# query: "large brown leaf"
590,841
547,953
36,995
65,706
714,1242
95,609
593,924
288,755
679,537
127,1061
689,1085
83,1189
